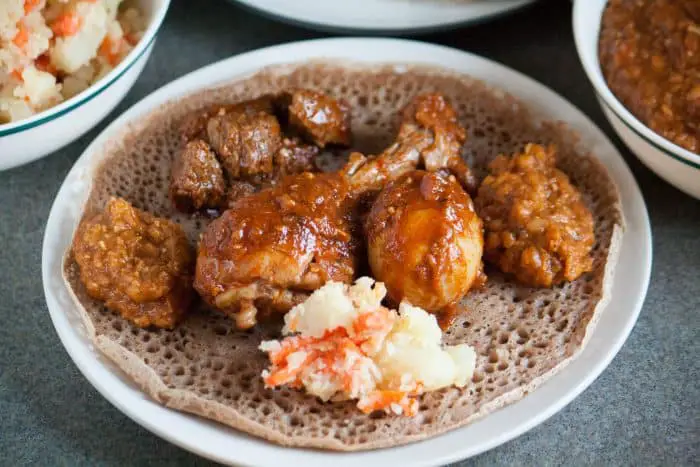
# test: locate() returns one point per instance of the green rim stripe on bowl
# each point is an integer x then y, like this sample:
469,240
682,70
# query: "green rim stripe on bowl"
85,99
645,138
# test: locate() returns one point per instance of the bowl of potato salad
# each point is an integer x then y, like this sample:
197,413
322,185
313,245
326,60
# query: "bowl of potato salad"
64,65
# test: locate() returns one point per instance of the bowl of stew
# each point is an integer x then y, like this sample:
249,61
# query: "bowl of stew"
643,59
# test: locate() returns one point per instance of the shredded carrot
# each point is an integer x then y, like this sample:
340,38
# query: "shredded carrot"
326,349
370,321
286,375
17,74
289,346
380,400
371,328
29,5
111,50
67,24
281,374
22,37
107,49
342,356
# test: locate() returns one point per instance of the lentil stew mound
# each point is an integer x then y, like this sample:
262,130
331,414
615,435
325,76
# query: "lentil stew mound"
650,56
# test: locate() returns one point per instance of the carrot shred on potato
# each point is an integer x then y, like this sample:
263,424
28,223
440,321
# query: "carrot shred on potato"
111,50
22,37
382,399
338,345
17,74
29,5
67,24
333,342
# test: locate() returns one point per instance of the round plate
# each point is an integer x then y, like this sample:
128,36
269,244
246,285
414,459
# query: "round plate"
226,445
383,16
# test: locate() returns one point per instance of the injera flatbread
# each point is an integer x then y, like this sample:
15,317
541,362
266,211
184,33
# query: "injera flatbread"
206,367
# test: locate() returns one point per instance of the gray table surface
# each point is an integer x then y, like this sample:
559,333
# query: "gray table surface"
644,409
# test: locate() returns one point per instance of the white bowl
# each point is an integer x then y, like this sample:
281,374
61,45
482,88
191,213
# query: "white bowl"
32,138
676,165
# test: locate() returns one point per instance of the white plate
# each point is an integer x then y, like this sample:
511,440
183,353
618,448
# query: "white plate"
226,445
384,16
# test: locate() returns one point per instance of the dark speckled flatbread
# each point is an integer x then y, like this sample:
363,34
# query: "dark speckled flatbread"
523,336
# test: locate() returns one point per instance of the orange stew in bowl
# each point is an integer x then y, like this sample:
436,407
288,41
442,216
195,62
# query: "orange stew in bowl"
650,56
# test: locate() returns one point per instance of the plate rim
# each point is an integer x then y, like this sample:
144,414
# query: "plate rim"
341,28
93,365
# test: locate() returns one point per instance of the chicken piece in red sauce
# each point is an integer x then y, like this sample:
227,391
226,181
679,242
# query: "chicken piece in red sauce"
433,113
273,248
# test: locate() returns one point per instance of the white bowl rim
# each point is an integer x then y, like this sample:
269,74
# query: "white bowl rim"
338,27
96,88
102,375
595,75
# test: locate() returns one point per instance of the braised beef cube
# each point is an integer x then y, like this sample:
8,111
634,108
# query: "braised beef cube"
194,125
319,118
295,157
197,180
246,143
237,190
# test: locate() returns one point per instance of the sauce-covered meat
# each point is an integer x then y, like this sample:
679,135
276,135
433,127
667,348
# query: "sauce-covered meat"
255,142
425,240
273,247
429,137
139,265
295,157
432,113
194,125
650,56
197,180
319,118
239,189
245,142
536,224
